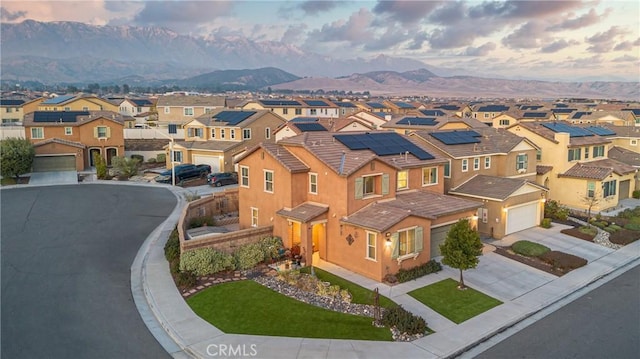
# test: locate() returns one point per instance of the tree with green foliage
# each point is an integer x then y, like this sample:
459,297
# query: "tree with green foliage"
16,157
101,166
461,248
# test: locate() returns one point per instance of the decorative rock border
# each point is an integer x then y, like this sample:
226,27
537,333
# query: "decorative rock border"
602,238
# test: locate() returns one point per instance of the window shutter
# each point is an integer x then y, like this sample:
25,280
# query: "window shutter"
108,132
359,188
418,238
95,132
385,183
395,248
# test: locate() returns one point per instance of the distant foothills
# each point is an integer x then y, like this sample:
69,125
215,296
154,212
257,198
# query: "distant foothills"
158,57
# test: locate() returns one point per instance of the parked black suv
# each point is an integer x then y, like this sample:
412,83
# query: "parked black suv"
222,178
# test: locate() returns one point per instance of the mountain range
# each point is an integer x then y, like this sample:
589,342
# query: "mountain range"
78,53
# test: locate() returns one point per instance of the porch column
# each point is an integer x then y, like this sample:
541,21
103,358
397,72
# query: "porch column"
306,242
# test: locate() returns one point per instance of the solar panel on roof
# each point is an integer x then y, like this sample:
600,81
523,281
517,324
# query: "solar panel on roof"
457,137
562,110
304,119
233,117
58,100
601,131
418,121
9,102
316,103
375,105
57,116
309,126
383,144
530,107
493,108
432,112
534,115
280,103
448,107
403,104
562,105
571,130
579,114
345,104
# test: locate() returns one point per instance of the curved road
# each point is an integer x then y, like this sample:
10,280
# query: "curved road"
66,258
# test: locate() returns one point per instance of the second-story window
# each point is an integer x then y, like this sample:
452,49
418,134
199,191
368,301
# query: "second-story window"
102,132
447,169
538,155
372,185
68,131
285,111
465,165
487,163
476,163
244,176
598,151
403,180
298,111
586,153
268,181
521,162
188,111
267,133
504,122
222,134
37,133
313,183
213,133
233,134
429,176
369,186
313,111
167,109
574,154
246,134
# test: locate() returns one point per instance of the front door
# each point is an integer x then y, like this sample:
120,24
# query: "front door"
92,153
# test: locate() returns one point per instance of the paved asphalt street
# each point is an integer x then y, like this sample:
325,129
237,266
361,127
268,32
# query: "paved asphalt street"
604,323
66,258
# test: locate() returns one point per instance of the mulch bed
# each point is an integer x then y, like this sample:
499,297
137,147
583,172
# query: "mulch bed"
624,236
530,261
553,262
575,232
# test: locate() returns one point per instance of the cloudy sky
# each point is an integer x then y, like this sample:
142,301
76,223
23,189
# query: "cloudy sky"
534,39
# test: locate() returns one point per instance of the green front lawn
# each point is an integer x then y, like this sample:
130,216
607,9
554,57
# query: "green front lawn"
246,307
456,305
359,295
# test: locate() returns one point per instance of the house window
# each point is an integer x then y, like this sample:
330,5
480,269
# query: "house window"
586,153
102,132
598,151
369,185
521,162
313,183
268,181
575,154
85,108
67,108
222,134
267,133
486,115
188,111
244,176
371,245
246,134
476,163
538,155
195,132
208,109
313,111
167,109
254,217
68,131
429,176
298,111
403,180
285,111
177,156
406,242
372,185
233,134
591,189
37,133
504,122
465,165
213,133
487,163
633,142
609,188
447,169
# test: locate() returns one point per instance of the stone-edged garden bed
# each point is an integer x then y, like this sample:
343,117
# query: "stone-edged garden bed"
541,257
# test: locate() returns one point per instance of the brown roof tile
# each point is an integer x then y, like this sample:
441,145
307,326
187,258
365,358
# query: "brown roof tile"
60,141
538,128
145,144
498,188
304,212
286,158
598,170
542,169
624,155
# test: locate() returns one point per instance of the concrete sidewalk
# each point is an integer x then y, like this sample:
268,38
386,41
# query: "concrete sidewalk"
524,291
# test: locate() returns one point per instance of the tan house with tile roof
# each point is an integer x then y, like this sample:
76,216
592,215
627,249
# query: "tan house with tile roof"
218,137
79,102
181,109
344,124
577,158
358,207
68,140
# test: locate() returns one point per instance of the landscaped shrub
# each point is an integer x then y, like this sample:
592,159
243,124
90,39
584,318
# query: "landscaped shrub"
546,223
600,224
172,247
186,279
630,213
610,229
151,160
202,221
205,261
553,210
248,256
529,249
101,166
614,227
632,226
161,157
636,194
271,247
405,275
140,158
588,230
563,261
404,321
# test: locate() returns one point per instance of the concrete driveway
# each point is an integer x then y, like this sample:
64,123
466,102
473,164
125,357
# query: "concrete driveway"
53,178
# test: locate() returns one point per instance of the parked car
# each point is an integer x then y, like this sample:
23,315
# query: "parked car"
184,172
222,178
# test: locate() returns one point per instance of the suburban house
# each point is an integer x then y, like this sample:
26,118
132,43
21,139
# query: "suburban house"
408,124
180,109
573,164
135,106
79,102
374,119
371,202
217,137
400,107
346,108
616,118
68,140
513,116
486,113
11,111
320,108
299,125
287,109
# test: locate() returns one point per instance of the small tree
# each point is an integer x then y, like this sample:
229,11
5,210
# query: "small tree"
126,167
591,201
461,248
16,157
101,166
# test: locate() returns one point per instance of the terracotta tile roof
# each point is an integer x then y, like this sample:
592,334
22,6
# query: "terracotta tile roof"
492,141
207,119
624,155
380,216
497,188
60,141
537,128
191,100
304,212
598,170
330,151
145,144
286,158
209,145
542,169
79,119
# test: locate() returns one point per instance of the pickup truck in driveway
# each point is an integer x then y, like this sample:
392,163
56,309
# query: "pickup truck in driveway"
184,172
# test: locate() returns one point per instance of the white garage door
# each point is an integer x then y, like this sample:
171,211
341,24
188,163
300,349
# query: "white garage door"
522,217
54,163
213,161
